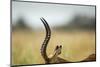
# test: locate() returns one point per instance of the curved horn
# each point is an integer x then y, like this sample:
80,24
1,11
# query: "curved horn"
46,40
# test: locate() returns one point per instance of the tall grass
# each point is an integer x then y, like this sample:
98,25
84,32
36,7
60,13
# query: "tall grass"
76,46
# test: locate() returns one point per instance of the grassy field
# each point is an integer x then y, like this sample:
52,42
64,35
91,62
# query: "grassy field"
77,46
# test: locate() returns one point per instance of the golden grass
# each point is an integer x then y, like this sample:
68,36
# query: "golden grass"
76,46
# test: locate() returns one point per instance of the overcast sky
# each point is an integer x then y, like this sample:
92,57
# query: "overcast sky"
55,14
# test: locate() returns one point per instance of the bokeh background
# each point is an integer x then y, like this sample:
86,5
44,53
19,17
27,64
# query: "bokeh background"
72,26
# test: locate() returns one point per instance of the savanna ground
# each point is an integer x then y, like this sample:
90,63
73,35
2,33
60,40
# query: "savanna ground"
77,45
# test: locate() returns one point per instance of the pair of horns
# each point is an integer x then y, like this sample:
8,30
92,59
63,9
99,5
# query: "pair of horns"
46,25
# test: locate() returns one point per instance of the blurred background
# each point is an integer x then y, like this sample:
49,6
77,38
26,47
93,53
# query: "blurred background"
72,26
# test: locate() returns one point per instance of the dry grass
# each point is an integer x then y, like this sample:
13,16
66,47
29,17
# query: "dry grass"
76,46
